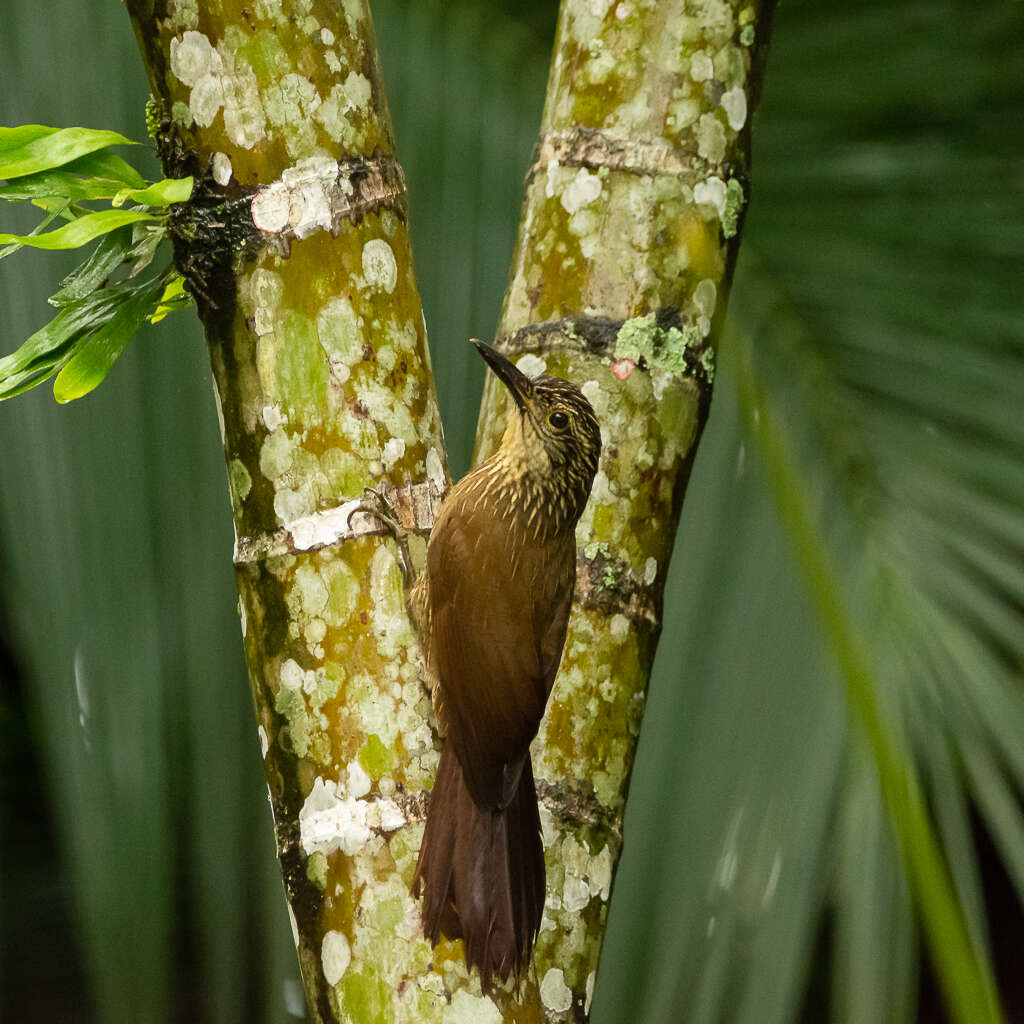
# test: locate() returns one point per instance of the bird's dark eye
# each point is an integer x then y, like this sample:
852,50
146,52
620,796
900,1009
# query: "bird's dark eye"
559,420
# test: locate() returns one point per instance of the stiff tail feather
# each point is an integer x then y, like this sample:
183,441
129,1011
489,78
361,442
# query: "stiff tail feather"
481,873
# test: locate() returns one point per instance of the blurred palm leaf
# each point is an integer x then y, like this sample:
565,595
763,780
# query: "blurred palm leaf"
877,290
884,315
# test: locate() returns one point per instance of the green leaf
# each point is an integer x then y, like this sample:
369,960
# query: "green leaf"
31,148
162,193
94,358
44,223
174,298
102,321
81,230
51,341
61,183
106,164
113,250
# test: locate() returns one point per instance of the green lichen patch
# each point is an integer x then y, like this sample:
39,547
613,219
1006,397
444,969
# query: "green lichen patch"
656,347
734,201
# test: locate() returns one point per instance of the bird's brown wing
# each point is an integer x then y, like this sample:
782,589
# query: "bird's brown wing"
498,613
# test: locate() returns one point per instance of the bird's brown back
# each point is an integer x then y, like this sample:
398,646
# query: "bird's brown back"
499,598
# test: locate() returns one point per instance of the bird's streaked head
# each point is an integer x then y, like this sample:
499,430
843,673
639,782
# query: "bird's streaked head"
555,439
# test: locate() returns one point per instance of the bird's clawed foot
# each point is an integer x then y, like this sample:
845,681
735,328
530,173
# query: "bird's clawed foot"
375,504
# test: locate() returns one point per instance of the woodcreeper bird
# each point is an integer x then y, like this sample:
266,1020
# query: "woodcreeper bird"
491,608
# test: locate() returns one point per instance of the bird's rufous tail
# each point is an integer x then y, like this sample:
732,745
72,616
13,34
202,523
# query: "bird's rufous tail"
481,873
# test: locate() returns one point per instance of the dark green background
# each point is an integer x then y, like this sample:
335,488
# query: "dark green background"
879,283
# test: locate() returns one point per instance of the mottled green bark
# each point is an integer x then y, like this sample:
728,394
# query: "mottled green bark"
296,246
627,241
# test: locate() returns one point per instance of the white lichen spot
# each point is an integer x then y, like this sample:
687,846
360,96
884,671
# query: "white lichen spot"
243,616
388,410
333,64
554,993
310,590
394,449
650,571
575,894
619,626
357,90
326,37
581,191
244,118
704,325
270,209
552,172
621,12
435,469
600,873
358,780
602,492
302,200
192,57
292,675
734,103
272,416
276,454
711,138
324,527
715,17
466,1008
221,168
683,112
335,956
379,266
182,14
590,991
705,296
206,99
597,397
531,365
711,192
701,66
264,741
329,821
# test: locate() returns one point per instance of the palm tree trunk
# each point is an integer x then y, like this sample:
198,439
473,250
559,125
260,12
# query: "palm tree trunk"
628,238
296,248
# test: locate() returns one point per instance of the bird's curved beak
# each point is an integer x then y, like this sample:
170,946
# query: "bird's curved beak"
519,385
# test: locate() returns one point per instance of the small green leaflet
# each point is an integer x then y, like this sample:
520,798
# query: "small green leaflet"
104,302
114,248
73,186
174,297
81,230
27,149
101,349
46,221
162,193
97,327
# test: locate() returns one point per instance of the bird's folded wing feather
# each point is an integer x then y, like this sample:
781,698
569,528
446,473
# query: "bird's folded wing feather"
496,638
